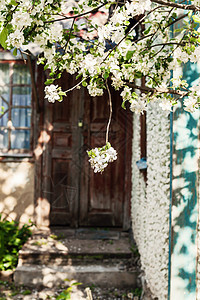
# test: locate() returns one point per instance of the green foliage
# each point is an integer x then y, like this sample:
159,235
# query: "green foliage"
12,238
26,292
66,294
135,251
3,37
2,109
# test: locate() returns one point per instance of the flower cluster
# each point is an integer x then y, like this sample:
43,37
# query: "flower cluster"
192,102
53,93
70,39
129,42
100,157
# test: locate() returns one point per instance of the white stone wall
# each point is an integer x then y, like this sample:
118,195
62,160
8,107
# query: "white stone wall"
150,202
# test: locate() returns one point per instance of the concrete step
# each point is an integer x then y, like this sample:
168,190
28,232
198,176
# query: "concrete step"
46,260
98,275
50,251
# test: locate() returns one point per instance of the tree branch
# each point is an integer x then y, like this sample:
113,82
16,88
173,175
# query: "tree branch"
176,20
138,23
110,114
177,5
77,16
154,90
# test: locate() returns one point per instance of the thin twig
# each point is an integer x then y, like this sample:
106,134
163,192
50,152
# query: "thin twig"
69,34
77,16
110,115
75,86
177,5
157,91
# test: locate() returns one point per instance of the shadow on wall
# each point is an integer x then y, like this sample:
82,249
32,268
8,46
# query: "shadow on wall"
184,205
17,191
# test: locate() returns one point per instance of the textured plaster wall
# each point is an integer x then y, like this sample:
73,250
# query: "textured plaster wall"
17,190
150,202
185,205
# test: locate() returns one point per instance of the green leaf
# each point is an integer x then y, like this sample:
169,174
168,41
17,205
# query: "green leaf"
61,93
106,74
59,76
107,6
123,104
13,2
79,75
84,83
46,67
127,65
135,96
196,18
98,69
15,52
129,54
26,292
49,81
3,37
147,31
78,283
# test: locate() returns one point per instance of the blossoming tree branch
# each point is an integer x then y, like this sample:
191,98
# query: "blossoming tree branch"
135,39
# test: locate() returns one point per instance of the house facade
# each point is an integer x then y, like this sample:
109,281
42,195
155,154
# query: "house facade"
46,177
46,173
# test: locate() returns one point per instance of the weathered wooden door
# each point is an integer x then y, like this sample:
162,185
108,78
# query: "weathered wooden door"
78,196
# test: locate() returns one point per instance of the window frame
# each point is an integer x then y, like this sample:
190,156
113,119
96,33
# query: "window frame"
18,153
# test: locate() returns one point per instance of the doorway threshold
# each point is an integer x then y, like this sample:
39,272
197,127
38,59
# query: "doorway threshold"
89,233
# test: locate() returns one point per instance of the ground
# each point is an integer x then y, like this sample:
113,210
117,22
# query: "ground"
10,291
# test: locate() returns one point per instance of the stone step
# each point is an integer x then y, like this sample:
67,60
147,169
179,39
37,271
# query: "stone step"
49,251
98,275
98,258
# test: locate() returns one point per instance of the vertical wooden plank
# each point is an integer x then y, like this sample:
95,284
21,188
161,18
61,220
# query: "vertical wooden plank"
185,198
39,140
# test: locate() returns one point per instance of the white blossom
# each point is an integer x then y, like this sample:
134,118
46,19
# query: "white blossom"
15,39
94,90
181,55
55,32
126,93
190,104
91,64
166,104
51,93
21,19
100,157
139,105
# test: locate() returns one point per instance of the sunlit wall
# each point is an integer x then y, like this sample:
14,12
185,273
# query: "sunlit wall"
17,191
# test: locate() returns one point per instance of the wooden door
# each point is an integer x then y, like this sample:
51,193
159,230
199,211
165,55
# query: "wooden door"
78,196
104,197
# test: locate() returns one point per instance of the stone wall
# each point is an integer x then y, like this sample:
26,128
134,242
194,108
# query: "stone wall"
17,191
150,201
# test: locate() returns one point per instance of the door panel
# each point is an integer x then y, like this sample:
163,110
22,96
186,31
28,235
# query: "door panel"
62,157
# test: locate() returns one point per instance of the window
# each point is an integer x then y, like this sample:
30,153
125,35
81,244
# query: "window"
15,106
